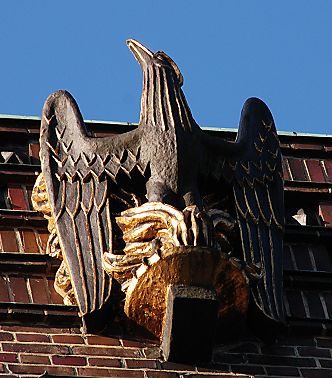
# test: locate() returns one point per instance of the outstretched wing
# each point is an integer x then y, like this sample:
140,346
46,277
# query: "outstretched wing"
258,192
79,171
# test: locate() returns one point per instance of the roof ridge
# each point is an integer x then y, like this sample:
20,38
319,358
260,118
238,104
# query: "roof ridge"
208,128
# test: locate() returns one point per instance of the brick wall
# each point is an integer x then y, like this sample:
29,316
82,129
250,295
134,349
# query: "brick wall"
295,356
30,351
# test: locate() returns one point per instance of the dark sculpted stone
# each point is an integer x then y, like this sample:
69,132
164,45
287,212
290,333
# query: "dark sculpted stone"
167,160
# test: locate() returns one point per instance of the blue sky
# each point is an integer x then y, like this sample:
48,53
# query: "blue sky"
227,51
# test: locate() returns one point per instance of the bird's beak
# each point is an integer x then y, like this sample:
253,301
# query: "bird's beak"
141,53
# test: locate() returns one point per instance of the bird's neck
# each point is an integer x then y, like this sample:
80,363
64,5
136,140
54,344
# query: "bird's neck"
163,102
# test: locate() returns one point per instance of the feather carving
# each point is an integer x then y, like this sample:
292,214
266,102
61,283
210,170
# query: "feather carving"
163,160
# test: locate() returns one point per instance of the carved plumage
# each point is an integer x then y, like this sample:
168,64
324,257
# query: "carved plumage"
164,160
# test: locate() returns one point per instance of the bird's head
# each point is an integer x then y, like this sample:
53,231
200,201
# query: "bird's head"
159,59
162,102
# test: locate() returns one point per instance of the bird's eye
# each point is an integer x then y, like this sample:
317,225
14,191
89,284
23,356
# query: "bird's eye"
158,56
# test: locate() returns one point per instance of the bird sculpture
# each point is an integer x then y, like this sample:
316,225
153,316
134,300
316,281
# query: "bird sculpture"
167,159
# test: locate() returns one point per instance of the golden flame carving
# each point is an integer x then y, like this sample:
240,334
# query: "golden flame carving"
40,202
154,227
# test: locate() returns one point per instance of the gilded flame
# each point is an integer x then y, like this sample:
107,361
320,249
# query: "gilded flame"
40,202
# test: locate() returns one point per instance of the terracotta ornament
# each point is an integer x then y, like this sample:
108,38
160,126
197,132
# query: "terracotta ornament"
190,225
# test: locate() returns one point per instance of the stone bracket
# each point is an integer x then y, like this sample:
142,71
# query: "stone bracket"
189,324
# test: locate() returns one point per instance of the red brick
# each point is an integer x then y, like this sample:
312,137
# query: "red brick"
302,257
220,367
296,305
43,236
34,359
136,344
106,351
29,194
163,374
315,170
321,257
316,373
325,342
298,146
114,373
6,336
325,212
315,305
286,170
34,153
55,297
139,364
314,352
8,241
19,289
104,362
326,363
33,337
176,366
101,340
297,169
288,262
38,290
152,352
40,369
4,295
29,241
17,198
328,168
281,360
48,330
69,360
36,348
283,371
67,339
297,340
8,357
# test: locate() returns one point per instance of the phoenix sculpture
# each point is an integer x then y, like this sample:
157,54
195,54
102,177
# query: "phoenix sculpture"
118,203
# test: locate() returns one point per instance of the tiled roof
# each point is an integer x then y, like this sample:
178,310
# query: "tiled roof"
27,295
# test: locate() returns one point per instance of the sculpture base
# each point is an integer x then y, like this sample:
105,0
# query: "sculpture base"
189,324
181,295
